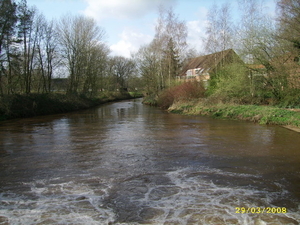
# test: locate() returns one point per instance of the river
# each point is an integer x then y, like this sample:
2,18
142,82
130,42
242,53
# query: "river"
127,163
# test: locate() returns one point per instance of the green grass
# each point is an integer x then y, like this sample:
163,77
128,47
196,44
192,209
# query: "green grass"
254,113
136,94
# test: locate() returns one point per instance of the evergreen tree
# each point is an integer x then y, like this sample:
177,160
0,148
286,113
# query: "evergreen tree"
8,20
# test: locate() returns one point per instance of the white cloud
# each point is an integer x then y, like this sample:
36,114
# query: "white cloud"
130,42
122,48
196,33
271,9
196,30
121,9
114,15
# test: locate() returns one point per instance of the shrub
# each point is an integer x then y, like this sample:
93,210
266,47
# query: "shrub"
230,84
184,91
289,99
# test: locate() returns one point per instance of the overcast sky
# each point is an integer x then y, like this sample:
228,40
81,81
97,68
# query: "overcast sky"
130,23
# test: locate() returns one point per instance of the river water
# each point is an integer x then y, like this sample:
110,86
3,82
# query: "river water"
127,163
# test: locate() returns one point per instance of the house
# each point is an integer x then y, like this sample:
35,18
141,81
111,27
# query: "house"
202,67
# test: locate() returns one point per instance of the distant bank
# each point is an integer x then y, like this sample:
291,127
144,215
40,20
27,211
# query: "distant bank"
21,106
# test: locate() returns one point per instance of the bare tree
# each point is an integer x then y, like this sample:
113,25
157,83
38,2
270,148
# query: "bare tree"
148,66
212,42
169,43
219,29
254,30
78,36
29,40
95,70
289,22
122,69
47,52
225,27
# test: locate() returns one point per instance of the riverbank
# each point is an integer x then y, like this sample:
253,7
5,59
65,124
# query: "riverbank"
254,113
150,100
21,106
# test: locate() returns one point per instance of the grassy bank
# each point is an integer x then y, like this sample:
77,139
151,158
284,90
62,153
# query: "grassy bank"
190,98
150,100
20,106
254,113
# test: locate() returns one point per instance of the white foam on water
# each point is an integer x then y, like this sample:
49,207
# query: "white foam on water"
188,197
194,200
56,203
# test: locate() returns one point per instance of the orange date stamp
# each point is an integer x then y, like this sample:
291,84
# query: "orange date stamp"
258,210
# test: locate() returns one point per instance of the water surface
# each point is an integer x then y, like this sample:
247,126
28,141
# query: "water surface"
127,163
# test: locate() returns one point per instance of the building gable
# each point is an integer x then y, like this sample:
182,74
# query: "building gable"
206,65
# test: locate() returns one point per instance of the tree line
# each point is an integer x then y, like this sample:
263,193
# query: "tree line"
33,50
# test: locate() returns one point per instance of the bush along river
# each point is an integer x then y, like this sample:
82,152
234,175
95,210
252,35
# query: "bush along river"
127,163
